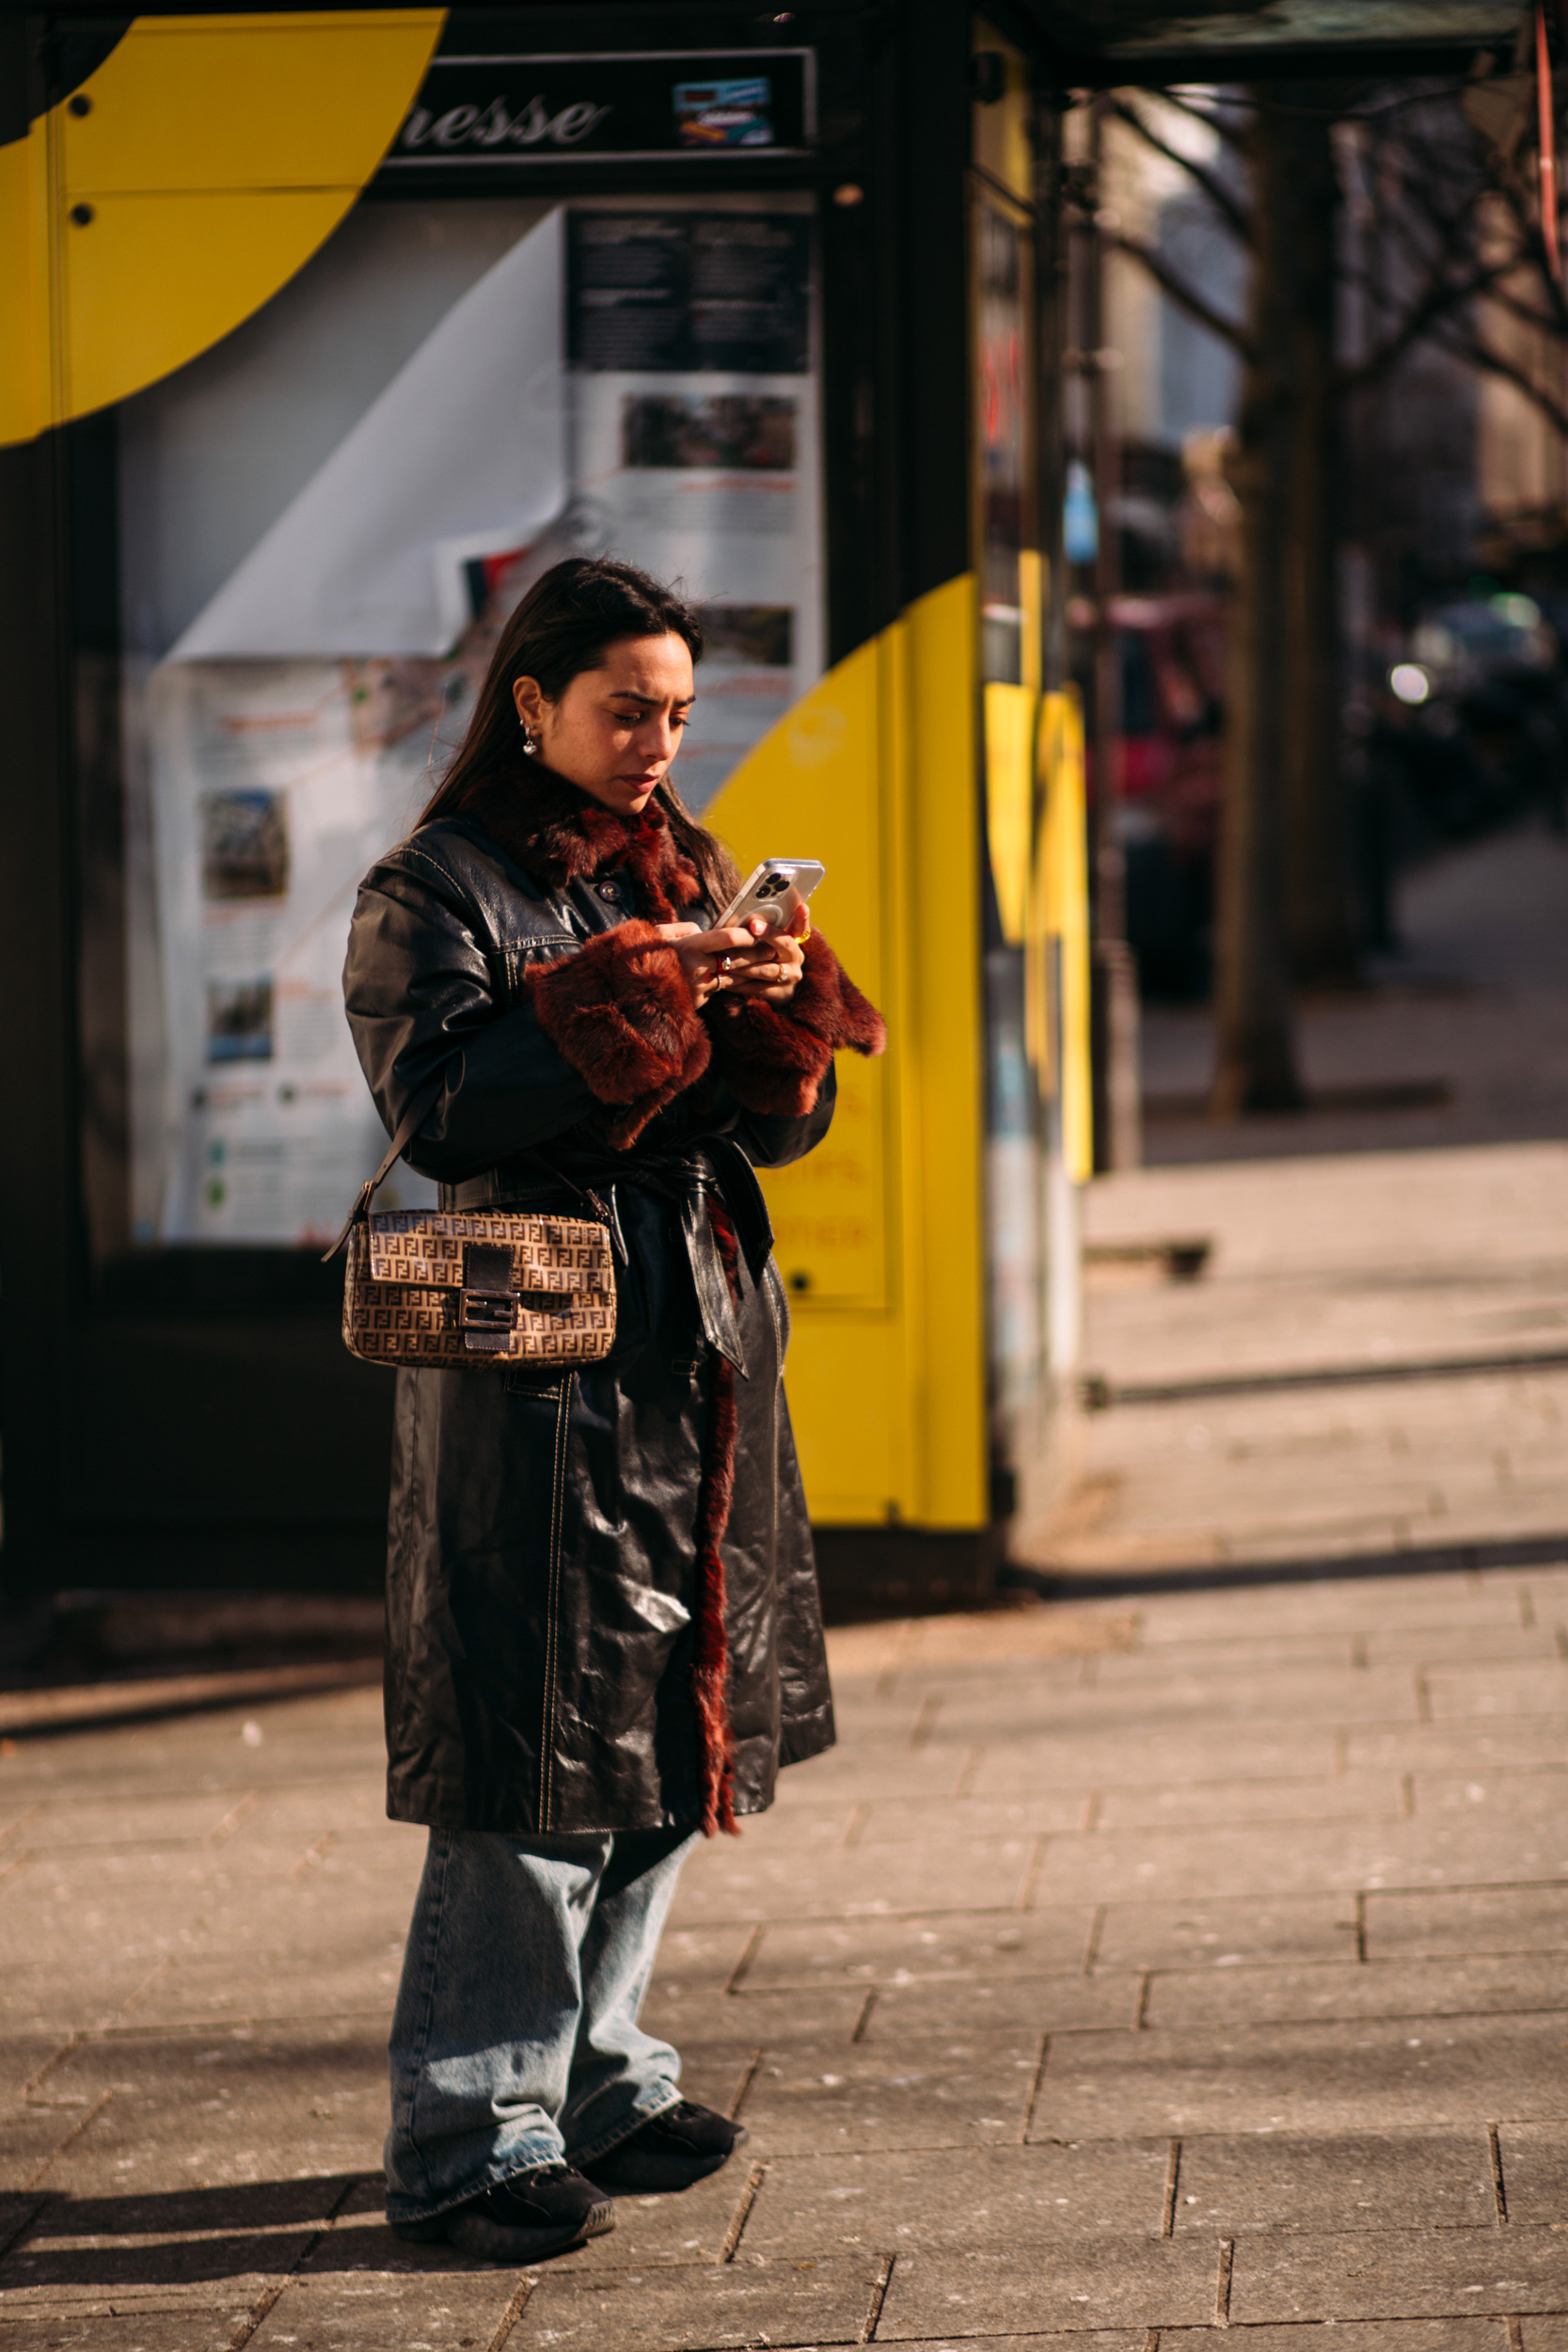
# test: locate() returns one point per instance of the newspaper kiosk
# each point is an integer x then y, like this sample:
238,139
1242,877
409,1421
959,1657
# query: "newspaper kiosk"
325,332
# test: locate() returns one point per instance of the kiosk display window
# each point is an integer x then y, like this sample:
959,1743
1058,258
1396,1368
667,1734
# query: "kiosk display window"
324,522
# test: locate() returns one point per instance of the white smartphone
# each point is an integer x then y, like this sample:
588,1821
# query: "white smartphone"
777,890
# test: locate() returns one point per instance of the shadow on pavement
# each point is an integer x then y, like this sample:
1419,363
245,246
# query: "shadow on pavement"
188,2237
1466,1559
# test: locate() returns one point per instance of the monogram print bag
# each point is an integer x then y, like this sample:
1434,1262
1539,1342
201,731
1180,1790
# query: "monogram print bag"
460,1291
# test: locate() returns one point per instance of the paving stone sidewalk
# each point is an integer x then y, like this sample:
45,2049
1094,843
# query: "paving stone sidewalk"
1154,1965
1373,1363
1462,1037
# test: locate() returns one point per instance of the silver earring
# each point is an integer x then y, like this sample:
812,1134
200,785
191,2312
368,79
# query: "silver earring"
529,746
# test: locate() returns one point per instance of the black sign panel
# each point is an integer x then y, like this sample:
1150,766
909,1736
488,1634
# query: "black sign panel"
637,106
679,291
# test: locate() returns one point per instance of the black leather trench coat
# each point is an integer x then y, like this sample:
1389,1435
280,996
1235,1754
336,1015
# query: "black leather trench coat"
541,1556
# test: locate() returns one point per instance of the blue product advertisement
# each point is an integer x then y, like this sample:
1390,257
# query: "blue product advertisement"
726,113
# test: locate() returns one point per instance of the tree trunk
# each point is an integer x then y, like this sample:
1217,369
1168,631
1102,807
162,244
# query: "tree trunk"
1255,1054
1319,929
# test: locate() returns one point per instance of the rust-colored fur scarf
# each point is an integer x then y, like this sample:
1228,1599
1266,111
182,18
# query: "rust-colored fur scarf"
558,835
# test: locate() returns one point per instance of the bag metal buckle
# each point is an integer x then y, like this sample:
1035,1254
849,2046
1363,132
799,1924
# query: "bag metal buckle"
487,1306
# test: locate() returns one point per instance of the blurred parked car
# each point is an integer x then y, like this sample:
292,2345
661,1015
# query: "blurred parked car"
1477,715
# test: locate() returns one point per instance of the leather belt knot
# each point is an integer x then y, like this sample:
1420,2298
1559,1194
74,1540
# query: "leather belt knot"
685,1180
713,1303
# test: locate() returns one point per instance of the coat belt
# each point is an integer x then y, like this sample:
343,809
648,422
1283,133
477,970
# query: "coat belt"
687,1179
684,1179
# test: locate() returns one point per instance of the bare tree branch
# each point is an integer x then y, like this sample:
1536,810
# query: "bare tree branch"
1434,224
1213,186
1387,108
1519,307
1443,297
1470,347
1186,298
1234,134
1419,184
1531,254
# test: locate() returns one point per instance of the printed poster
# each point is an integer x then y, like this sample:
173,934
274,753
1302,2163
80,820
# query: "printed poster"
275,785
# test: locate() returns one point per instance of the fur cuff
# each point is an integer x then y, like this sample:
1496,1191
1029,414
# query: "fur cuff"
622,1012
828,1002
774,1057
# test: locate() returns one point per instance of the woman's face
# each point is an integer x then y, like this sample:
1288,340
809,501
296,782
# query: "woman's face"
615,730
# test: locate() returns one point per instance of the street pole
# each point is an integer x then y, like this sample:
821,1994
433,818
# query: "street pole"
1118,1118
1064,1255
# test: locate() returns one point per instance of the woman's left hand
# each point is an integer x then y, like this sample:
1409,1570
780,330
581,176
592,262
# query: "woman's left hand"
775,981
747,960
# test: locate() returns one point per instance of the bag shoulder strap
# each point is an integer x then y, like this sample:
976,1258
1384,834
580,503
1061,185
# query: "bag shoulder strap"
408,1126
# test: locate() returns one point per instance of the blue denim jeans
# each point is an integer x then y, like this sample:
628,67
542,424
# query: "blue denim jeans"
514,2039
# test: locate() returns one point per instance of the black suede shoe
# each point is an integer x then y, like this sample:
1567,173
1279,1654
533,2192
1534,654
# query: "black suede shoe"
684,2144
523,2219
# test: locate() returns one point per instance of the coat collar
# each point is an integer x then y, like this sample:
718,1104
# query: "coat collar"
559,834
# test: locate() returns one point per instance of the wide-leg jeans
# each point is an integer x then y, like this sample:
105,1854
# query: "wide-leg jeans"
514,2039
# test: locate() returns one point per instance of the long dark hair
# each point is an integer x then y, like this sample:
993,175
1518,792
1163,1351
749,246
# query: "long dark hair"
565,624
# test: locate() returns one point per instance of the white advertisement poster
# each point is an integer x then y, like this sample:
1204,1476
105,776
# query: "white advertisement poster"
637,384
275,785
468,439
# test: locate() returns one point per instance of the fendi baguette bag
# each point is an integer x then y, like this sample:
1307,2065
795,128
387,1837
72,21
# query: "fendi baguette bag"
459,1291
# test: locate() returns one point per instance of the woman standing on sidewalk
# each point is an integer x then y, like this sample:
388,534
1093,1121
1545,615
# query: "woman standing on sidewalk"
603,1627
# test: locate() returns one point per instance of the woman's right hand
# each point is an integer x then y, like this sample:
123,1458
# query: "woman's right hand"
715,960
